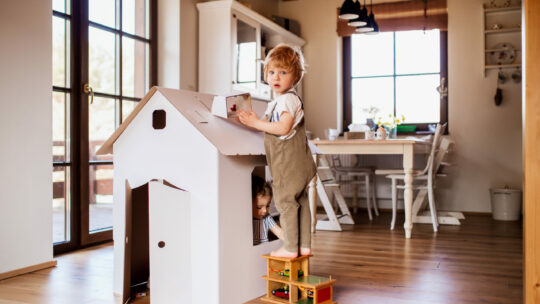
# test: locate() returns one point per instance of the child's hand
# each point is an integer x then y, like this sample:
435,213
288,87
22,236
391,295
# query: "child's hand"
249,119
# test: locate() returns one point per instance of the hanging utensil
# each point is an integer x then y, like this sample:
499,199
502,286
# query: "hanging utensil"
501,78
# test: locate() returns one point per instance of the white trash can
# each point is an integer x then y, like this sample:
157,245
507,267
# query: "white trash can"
505,204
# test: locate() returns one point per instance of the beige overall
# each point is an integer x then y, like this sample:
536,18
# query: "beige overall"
292,168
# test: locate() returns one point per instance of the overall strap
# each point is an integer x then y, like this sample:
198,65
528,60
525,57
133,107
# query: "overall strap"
296,94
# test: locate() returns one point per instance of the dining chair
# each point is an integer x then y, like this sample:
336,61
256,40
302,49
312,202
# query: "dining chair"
357,176
426,176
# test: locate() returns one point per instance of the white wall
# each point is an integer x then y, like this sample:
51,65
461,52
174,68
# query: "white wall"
169,43
25,134
488,138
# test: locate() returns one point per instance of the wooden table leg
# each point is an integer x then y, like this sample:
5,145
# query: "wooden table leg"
313,197
408,154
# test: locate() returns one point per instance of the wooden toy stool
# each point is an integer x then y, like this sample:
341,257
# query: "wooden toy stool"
288,281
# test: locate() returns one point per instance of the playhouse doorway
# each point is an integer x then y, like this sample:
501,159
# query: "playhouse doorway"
157,240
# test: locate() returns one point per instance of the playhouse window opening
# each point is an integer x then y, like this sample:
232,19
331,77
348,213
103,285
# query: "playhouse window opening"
159,119
264,213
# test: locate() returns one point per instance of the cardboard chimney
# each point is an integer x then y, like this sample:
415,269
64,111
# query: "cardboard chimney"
182,201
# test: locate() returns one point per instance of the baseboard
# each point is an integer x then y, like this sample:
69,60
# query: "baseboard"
28,269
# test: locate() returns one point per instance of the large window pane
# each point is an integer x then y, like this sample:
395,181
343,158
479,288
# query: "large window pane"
61,6
417,52
127,107
101,199
60,52
101,125
60,127
135,16
417,98
102,46
135,69
370,93
61,204
103,12
372,55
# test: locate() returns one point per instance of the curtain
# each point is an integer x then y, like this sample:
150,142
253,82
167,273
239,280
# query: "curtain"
404,16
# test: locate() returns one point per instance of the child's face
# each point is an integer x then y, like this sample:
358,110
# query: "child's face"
280,79
261,206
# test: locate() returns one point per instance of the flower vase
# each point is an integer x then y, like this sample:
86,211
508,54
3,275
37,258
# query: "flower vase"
392,132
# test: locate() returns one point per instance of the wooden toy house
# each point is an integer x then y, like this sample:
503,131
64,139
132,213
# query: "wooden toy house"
200,220
288,281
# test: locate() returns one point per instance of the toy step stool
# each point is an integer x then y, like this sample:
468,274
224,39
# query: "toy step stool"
289,281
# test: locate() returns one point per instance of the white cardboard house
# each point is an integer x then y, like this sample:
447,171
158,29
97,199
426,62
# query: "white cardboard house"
200,229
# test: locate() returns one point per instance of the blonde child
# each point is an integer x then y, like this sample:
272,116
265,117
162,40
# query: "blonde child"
287,152
261,195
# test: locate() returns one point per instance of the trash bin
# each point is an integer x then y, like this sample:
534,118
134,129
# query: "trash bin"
505,204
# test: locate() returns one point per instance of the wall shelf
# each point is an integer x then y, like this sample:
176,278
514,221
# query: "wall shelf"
503,66
502,9
508,19
503,30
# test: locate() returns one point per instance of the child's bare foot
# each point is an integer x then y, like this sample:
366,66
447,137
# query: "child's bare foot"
283,253
305,251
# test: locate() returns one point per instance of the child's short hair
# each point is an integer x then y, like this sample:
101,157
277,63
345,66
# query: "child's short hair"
259,187
287,57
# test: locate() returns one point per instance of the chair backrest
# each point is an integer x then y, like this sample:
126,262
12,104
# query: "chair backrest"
445,145
437,137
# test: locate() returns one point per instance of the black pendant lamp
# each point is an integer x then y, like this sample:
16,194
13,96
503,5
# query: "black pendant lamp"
361,20
369,26
347,10
373,22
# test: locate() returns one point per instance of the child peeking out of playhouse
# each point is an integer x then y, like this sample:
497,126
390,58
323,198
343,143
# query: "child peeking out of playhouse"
261,195
287,152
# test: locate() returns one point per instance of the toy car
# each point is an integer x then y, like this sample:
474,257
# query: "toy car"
281,292
287,273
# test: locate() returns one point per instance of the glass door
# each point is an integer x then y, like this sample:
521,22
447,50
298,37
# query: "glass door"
112,66
118,75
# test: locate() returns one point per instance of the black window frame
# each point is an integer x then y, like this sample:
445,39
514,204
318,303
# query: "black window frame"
422,128
79,162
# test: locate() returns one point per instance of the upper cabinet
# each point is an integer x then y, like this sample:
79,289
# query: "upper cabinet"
502,36
233,42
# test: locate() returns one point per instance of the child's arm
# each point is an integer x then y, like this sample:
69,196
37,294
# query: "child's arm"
276,230
281,127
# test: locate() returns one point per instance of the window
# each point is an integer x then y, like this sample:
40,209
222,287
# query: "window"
108,46
395,73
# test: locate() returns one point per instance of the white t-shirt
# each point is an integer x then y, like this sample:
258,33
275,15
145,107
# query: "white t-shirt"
286,102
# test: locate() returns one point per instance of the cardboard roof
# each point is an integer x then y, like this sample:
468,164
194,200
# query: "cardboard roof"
227,135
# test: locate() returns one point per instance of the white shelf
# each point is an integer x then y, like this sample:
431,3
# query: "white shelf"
503,30
503,66
502,9
497,50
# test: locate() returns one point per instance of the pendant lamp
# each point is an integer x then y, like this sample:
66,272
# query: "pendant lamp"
347,10
373,22
361,20
369,26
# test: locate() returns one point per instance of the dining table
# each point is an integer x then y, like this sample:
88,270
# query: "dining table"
406,147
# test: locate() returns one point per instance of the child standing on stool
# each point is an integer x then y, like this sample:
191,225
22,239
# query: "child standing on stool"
287,152
261,195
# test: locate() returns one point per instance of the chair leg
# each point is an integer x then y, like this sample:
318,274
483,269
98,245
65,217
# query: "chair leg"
368,201
432,208
394,203
373,195
355,198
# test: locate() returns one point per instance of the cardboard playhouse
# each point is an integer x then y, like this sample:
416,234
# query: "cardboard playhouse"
182,202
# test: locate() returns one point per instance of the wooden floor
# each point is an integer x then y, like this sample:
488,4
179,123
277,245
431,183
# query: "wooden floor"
478,262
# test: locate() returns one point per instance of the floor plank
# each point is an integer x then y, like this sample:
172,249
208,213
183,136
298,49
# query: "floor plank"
478,262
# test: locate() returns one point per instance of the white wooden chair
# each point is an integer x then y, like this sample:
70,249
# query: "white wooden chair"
357,177
426,176
328,191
